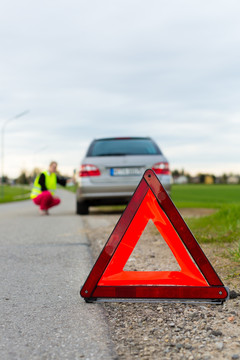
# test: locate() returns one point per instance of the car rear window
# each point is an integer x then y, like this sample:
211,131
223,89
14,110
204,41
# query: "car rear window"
118,147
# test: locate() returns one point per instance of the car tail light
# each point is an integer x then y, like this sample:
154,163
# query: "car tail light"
89,170
161,168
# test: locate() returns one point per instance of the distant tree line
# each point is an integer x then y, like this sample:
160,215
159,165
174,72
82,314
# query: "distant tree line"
203,178
26,178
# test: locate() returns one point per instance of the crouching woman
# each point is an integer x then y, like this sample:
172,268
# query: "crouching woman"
44,188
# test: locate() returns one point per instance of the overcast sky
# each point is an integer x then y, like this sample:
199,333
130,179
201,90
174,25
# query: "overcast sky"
169,69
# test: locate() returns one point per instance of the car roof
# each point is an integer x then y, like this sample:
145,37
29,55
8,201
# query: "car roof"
123,138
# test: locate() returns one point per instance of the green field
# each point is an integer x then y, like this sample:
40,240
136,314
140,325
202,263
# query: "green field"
222,227
14,193
205,196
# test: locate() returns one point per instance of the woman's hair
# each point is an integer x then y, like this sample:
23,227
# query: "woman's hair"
53,162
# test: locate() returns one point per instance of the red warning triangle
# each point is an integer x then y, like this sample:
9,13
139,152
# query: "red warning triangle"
196,280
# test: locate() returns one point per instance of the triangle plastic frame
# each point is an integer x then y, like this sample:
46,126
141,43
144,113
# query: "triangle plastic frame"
196,281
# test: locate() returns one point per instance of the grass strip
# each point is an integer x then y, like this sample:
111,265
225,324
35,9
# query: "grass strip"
205,196
14,193
222,226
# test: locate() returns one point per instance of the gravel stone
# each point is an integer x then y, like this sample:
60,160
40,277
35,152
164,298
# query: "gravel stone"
219,346
216,333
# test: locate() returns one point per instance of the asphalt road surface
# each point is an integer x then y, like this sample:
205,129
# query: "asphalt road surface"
44,261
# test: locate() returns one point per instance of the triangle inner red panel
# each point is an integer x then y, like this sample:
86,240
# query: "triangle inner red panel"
114,273
196,278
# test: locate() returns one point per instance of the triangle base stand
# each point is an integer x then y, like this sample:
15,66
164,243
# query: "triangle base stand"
150,300
190,294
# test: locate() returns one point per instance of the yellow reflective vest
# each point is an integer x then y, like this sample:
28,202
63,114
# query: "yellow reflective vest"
50,182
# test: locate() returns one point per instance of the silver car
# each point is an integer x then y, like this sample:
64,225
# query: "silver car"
113,167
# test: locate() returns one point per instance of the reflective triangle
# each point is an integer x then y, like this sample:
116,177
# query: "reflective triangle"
196,279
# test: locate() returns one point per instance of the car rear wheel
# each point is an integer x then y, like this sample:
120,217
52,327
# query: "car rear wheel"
82,208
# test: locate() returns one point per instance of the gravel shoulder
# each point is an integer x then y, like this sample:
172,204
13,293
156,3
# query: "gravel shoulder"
169,330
